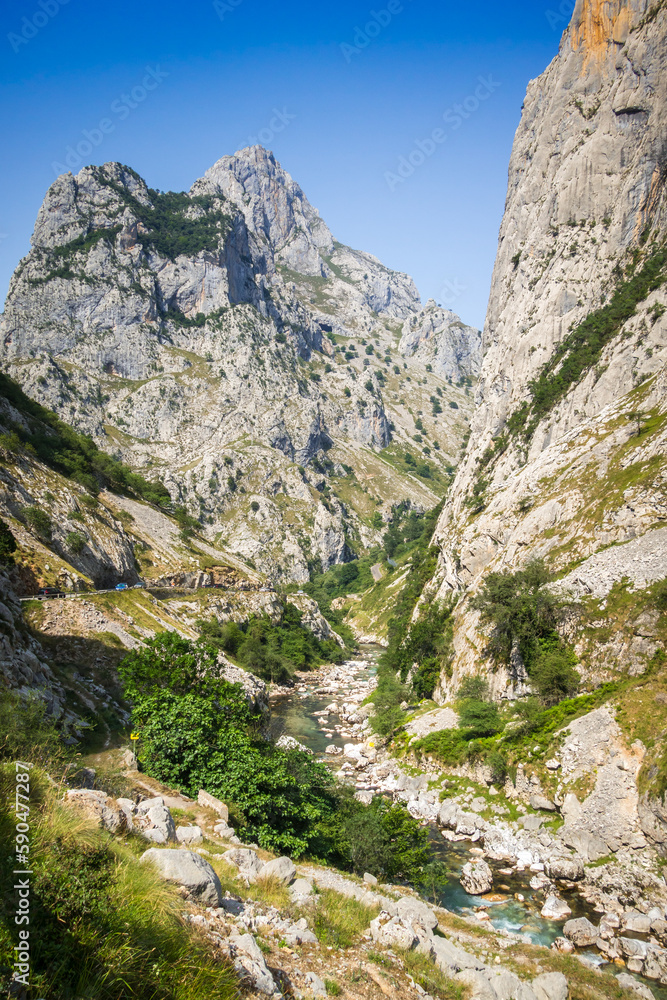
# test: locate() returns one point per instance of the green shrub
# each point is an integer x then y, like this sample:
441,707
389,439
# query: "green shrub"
8,544
39,521
75,542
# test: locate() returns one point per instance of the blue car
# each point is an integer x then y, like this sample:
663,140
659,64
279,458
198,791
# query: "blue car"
121,586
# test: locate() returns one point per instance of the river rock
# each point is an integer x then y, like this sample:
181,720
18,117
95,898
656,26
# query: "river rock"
555,908
637,923
570,869
189,870
581,932
476,878
283,869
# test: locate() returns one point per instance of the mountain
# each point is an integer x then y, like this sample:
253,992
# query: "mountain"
568,445
286,389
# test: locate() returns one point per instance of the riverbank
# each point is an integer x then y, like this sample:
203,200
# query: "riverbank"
541,889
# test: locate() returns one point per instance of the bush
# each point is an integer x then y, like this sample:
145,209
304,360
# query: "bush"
75,542
478,719
8,545
39,521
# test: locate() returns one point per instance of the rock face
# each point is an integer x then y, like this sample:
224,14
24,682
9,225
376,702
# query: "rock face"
223,340
552,433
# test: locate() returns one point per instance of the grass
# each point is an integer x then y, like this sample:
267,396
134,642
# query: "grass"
338,920
430,977
103,925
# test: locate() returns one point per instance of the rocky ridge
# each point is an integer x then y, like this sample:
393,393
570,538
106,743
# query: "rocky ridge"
223,340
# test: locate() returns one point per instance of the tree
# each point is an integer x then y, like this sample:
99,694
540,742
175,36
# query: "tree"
555,676
7,544
479,719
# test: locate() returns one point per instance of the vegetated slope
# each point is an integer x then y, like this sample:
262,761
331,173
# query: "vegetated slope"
223,342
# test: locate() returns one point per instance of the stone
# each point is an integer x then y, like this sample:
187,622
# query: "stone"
630,983
282,869
570,869
155,822
550,986
555,908
210,802
581,932
189,835
250,962
392,932
189,870
542,802
301,888
562,945
413,909
100,807
478,984
638,923
476,878
370,879
315,984
248,862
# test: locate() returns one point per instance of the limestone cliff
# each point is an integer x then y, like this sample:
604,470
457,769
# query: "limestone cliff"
559,465
223,341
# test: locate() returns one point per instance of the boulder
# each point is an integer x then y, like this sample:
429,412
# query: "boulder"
249,961
189,870
300,889
189,835
630,983
315,984
570,869
562,945
100,807
555,908
283,869
247,862
448,814
635,922
542,802
210,802
478,984
370,879
476,878
392,932
467,824
581,932
550,986
411,909
155,822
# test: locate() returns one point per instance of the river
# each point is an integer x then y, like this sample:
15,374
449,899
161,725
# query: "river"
296,715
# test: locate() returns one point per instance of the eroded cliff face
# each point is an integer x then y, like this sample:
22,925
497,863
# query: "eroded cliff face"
223,340
575,342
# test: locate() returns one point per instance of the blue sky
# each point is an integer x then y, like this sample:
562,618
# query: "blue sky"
344,93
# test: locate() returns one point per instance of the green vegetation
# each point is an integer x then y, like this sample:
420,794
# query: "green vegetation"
523,615
7,544
272,651
101,924
198,731
581,349
73,455
75,542
39,521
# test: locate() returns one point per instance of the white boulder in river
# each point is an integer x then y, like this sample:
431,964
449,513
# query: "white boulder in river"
476,878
